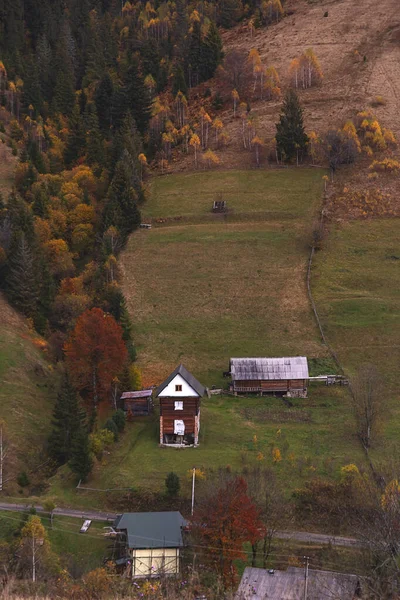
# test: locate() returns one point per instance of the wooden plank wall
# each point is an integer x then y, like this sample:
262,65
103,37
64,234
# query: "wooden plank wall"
187,415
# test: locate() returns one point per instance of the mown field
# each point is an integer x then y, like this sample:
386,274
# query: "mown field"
199,293
202,292
356,282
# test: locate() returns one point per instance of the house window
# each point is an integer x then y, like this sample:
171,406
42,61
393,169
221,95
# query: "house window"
178,388
179,405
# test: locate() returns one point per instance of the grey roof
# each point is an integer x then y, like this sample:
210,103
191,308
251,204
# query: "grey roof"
188,377
152,529
288,367
138,394
259,584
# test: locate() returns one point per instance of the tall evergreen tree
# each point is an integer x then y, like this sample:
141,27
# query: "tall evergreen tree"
76,140
121,209
21,282
212,52
103,95
291,138
94,140
81,462
64,86
132,96
67,421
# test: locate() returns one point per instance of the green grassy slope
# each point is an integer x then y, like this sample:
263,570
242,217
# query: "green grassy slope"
200,293
26,392
356,282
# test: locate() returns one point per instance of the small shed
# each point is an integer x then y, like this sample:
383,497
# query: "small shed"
150,543
139,402
260,584
286,375
180,396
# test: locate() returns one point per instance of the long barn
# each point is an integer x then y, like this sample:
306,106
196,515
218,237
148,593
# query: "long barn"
286,375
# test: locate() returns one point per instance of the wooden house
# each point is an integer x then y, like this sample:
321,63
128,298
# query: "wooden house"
149,544
287,375
292,584
139,403
180,395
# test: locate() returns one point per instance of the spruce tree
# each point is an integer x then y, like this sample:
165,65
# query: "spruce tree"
94,140
64,87
132,97
121,208
67,421
76,140
178,81
212,52
21,282
103,96
291,138
81,462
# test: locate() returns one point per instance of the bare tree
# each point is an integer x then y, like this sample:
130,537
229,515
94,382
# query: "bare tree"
338,149
236,71
267,495
368,402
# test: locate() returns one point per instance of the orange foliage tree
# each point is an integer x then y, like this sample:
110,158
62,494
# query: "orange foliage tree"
224,523
95,353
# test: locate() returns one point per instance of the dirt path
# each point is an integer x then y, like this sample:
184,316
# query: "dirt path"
298,536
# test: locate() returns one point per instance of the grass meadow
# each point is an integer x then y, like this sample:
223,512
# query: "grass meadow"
356,282
201,292
77,552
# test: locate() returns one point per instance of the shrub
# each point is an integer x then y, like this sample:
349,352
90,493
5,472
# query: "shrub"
119,419
111,426
378,101
172,484
23,479
99,441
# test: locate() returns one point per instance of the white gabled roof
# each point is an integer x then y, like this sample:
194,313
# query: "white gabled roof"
288,367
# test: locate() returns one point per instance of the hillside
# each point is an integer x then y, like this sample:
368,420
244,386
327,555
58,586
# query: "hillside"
27,389
341,40
359,51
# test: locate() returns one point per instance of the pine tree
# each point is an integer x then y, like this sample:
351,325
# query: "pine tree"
76,140
67,421
229,12
178,81
121,209
213,53
20,217
94,140
291,139
81,462
21,283
138,102
64,87
103,95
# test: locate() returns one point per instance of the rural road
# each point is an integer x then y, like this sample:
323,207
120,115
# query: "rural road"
298,536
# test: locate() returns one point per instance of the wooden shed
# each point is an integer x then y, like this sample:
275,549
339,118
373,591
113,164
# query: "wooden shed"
149,544
139,402
180,395
286,375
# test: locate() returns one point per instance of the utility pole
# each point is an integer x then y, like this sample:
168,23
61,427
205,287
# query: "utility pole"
193,480
306,558
3,454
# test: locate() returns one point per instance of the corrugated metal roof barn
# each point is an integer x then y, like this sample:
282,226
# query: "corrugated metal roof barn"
267,369
259,584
